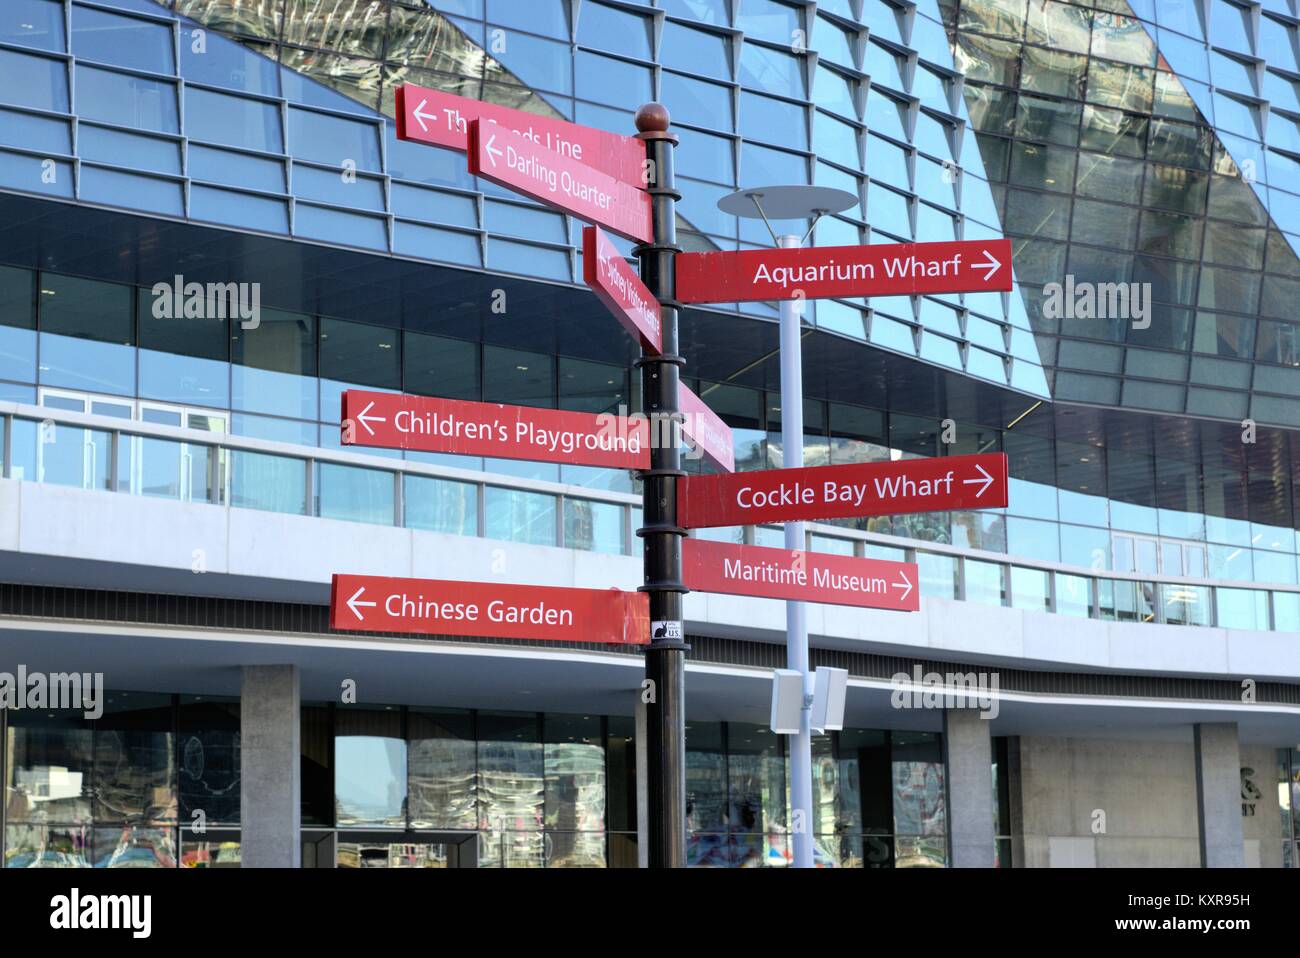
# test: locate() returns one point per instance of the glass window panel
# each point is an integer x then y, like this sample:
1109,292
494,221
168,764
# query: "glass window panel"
49,767
938,575
354,494
1042,167
1241,609
126,100
442,769
1113,132
765,118
208,760
598,77
1029,589
32,81
122,41
1058,25
34,23
516,516
1053,73
1049,120
440,505
274,365
370,767
698,102
511,774
87,331
593,526
1118,85
770,20
135,759
17,324
270,483
697,51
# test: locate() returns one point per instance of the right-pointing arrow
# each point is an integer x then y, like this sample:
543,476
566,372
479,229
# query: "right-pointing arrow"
982,483
991,264
906,583
355,601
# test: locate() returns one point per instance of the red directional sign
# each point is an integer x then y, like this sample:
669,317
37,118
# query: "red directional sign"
802,576
393,421
443,119
370,603
710,434
621,289
520,164
844,271
844,492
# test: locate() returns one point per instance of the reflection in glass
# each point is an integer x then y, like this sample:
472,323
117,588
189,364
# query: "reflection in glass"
135,759
48,762
369,767
443,776
133,846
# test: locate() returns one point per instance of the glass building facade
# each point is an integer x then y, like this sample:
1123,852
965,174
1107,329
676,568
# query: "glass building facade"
155,783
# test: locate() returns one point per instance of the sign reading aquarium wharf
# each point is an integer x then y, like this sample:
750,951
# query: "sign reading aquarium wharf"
846,271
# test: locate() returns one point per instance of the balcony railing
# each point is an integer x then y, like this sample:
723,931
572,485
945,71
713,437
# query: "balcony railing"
144,459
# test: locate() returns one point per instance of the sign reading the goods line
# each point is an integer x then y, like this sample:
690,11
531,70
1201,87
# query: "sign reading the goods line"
801,576
844,271
393,421
843,492
368,603
425,115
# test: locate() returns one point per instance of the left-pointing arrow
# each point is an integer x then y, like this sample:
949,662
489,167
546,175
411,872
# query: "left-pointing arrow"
367,420
492,151
421,116
356,601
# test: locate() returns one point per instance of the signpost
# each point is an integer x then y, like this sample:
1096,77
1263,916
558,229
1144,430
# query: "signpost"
626,185
514,161
845,492
395,421
844,271
368,603
620,289
709,433
800,576
442,119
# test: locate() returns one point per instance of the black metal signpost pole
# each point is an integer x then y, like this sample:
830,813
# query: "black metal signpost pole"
665,657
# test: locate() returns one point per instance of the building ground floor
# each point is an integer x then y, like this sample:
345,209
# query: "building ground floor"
261,742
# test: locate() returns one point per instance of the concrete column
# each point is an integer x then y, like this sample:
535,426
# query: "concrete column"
1218,795
270,789
968,775
642,785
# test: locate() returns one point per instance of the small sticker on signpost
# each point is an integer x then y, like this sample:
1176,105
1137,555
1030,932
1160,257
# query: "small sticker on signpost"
667,629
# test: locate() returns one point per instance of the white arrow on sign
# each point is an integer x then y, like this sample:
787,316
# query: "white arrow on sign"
367,420
421,116
991,264
492,151
355,601
906,582
982,483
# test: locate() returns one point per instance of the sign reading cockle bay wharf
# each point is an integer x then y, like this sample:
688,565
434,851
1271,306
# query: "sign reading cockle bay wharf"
625,185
